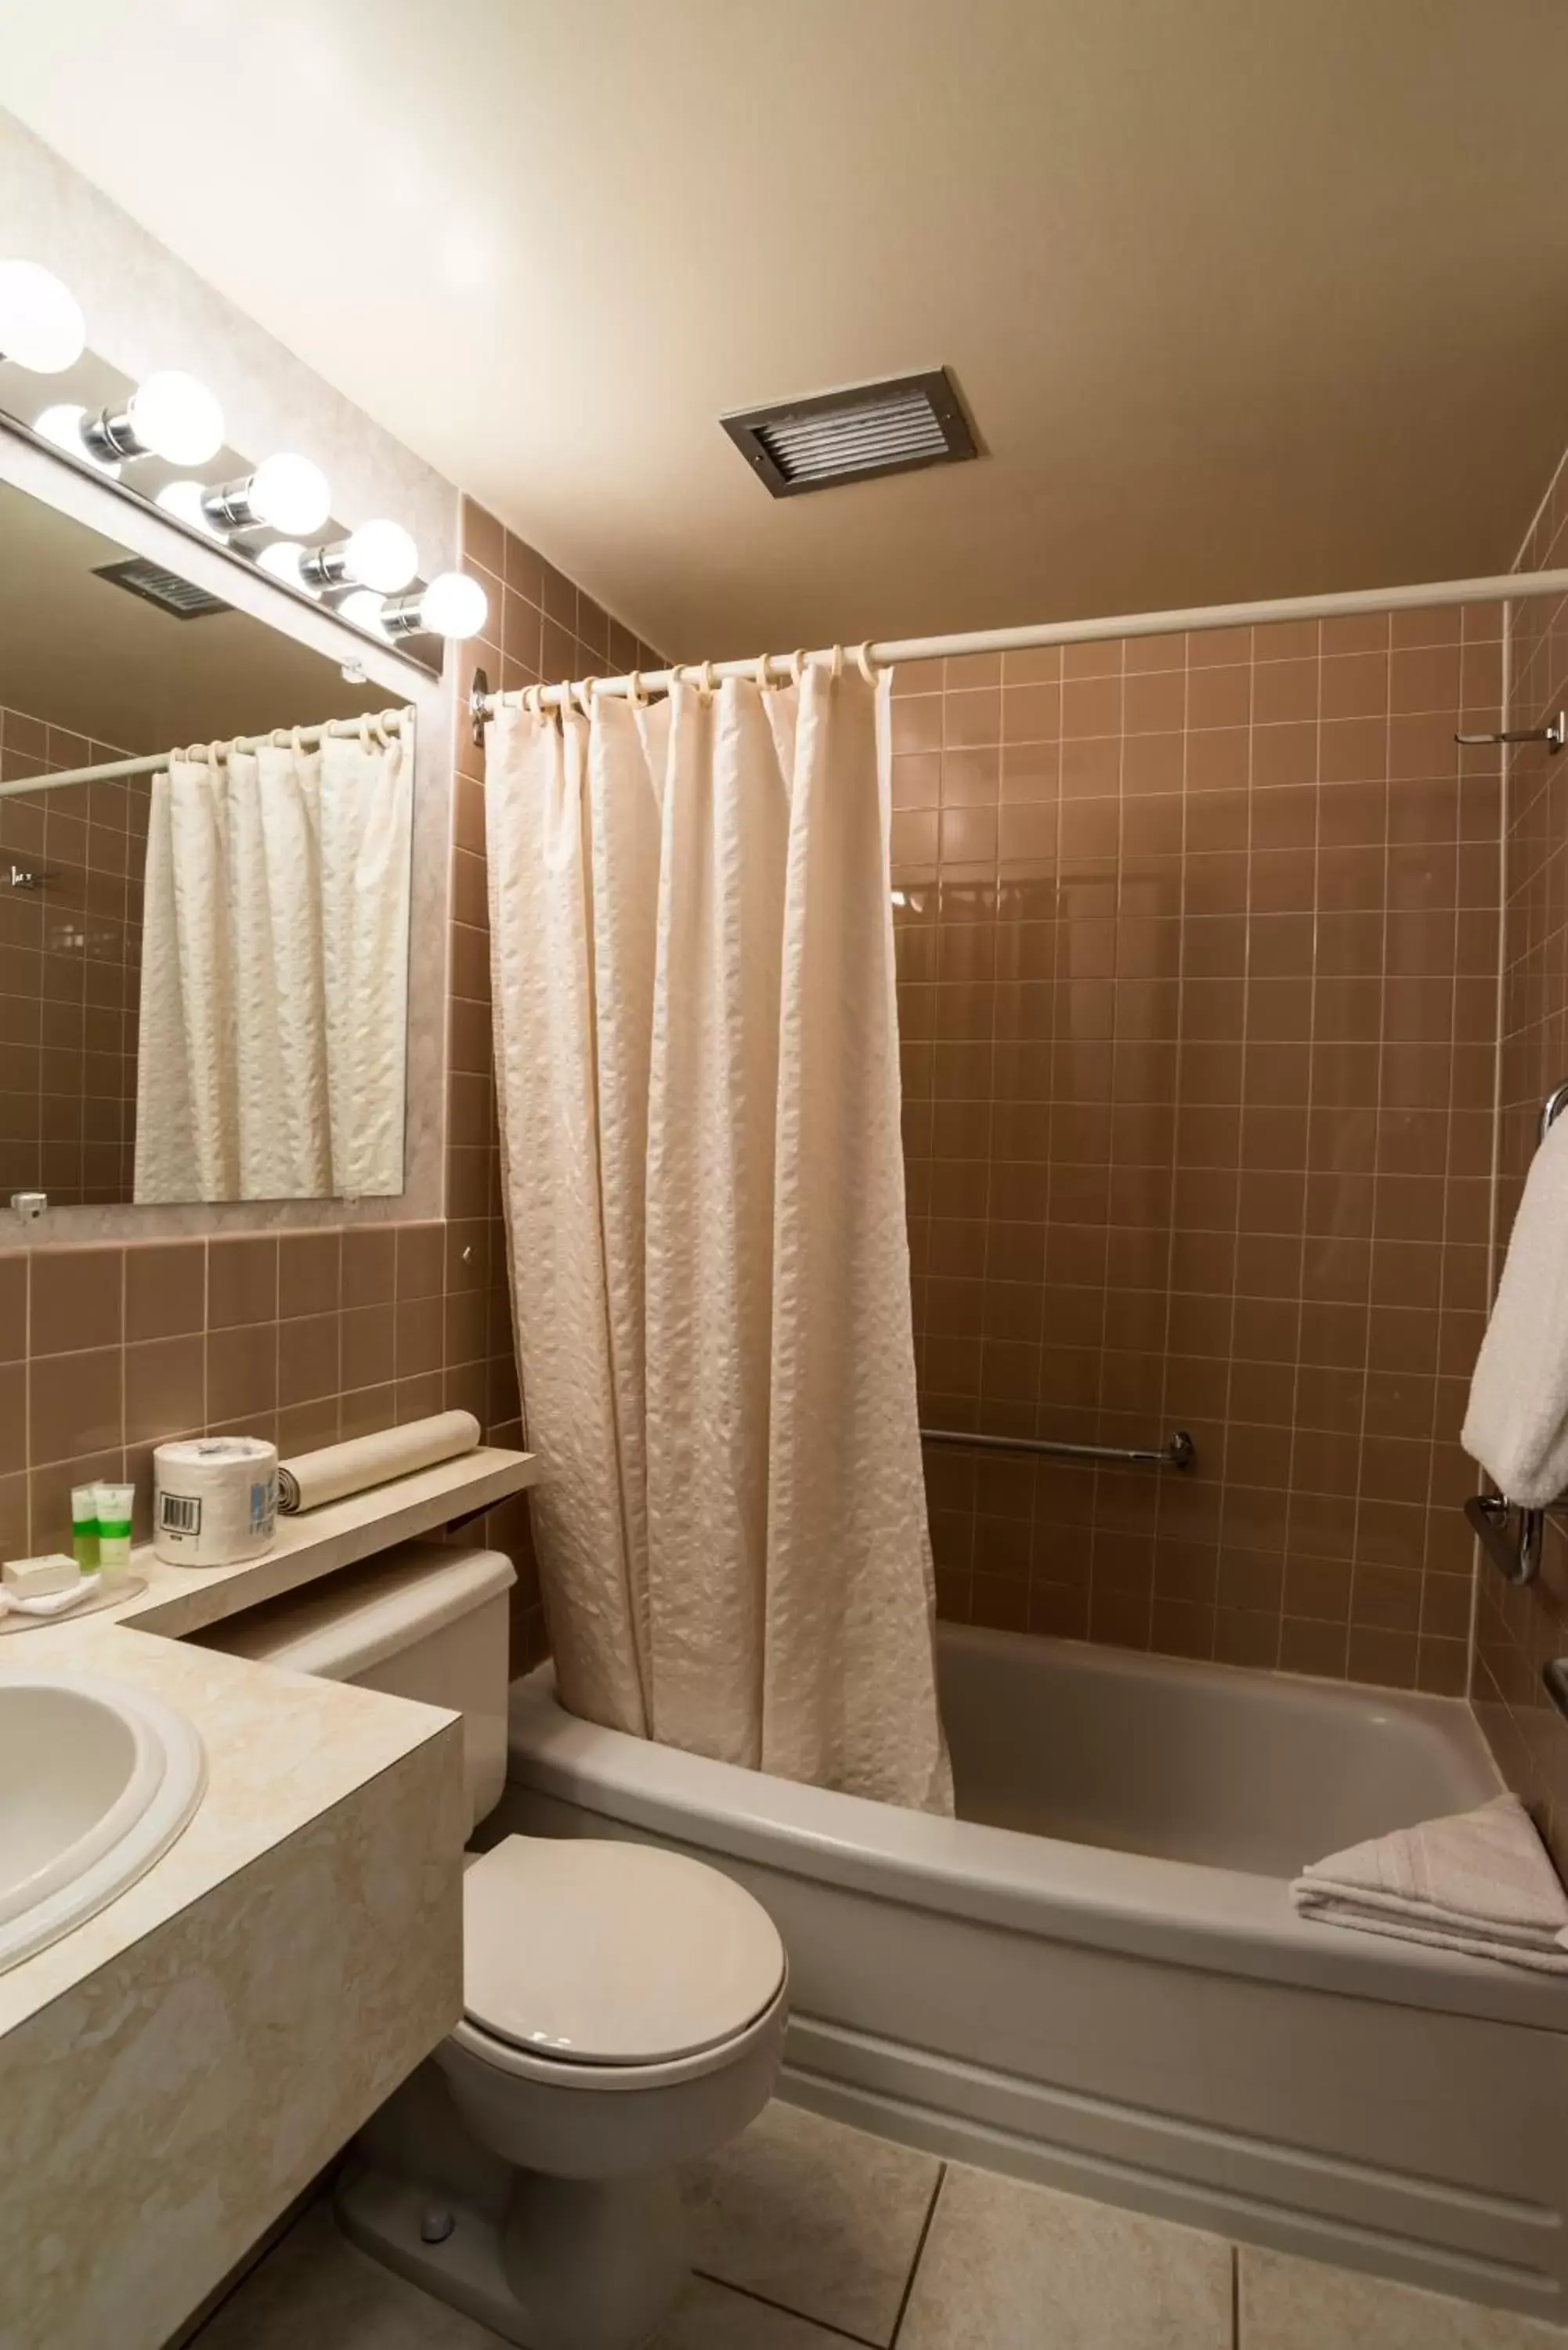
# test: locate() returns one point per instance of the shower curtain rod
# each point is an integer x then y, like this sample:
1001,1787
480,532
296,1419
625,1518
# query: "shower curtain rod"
1342,605
112,770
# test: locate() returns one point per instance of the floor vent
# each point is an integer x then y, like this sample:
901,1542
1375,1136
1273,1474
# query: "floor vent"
910,421
164,588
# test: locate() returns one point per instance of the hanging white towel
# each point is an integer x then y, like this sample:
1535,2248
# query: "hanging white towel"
1517,1423
1479,1883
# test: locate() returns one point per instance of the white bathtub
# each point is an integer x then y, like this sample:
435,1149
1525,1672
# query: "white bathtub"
1094,1976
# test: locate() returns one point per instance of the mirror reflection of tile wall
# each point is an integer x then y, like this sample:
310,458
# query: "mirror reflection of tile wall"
70,962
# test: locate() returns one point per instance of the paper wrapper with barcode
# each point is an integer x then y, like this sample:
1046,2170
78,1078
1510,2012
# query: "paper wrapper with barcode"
214,1500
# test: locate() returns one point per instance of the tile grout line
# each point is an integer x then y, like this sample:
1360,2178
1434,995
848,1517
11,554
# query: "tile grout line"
823,2324
1235,2297
919,2255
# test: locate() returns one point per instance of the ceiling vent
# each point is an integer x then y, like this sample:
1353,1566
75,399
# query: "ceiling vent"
910,420
164,588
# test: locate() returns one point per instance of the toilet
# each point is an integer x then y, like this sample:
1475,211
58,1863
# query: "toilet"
624,2006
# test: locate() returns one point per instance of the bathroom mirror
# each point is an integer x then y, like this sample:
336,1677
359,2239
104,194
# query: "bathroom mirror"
204,931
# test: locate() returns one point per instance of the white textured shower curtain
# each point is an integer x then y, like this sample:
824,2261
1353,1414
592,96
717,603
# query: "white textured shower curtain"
274,974
697,1057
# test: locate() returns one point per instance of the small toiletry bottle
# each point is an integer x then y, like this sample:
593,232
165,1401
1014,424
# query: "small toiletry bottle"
115,1504
84,1527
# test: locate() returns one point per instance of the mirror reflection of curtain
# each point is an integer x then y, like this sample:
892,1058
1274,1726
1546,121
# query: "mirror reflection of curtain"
274,974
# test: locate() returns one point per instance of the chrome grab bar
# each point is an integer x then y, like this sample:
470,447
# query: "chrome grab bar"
1178,1452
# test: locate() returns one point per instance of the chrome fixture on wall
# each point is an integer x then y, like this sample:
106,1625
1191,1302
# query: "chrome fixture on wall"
1553,734
173,417
1178,1452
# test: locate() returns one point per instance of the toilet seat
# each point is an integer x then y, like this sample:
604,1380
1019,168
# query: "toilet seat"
601,1964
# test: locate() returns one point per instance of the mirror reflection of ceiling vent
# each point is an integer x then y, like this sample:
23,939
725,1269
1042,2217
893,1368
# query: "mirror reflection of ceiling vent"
164,588
910,420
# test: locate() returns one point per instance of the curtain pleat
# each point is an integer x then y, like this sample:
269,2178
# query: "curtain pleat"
697,1060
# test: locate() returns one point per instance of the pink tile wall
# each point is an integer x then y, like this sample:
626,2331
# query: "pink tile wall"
1198,945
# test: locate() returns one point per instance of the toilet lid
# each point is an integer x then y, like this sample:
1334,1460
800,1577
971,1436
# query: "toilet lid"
601,1953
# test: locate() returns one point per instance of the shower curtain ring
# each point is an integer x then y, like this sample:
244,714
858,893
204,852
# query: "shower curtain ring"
297,742
705,686
365,732
278,738
797,667
585,693
837,663
638,693
868,669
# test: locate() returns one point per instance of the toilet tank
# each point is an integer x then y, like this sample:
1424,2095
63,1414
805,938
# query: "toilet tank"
424,1621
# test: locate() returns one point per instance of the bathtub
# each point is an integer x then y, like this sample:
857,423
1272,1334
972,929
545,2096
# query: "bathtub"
1093,1976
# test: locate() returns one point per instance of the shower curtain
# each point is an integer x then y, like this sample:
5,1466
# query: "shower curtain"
697,1063
274,973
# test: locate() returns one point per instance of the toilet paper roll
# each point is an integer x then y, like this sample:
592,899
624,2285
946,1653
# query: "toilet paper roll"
312,1478
214,1500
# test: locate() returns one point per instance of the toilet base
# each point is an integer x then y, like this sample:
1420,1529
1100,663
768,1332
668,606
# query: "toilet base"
577,2264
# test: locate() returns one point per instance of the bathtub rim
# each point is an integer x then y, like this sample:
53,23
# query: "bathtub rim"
1182,1913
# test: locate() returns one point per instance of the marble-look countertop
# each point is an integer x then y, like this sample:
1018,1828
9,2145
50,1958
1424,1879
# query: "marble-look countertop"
176,2069
282,1749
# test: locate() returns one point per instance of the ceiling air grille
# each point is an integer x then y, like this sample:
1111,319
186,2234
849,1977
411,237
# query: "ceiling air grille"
850,436
164,588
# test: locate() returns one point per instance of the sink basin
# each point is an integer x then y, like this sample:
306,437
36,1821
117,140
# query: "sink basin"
96,1782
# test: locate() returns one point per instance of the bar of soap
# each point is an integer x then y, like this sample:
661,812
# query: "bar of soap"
35,1578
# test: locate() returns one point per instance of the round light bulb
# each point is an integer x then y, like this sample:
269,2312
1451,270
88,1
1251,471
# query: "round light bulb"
290,494
282,559
455,606
175,417
41,323
62,426
364,609
381,555
184,499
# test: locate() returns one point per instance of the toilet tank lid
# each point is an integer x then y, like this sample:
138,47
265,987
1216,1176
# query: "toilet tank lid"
353,1620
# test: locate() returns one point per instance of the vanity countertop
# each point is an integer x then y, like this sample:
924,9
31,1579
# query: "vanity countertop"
177,2069
282,1750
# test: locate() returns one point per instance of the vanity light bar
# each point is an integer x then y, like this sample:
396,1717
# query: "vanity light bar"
173,416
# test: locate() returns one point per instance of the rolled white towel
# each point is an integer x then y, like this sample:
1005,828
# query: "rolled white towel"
1480,1883
1517,1423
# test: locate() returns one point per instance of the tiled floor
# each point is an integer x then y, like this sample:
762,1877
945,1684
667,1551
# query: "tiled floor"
807,2235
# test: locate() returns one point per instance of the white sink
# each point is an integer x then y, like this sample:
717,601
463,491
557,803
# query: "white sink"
96,1782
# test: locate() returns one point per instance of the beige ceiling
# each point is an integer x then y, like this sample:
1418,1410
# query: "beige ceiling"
78,651
1245,297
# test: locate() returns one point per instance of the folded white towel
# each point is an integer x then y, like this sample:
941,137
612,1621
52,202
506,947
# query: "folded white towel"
1517,1423
56,1603
1480,1883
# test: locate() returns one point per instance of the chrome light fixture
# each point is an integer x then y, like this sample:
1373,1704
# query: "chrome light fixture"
452,605
171,416
381,556
285,492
